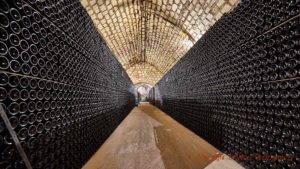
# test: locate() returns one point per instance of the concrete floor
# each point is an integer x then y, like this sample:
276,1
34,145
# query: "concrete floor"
150,139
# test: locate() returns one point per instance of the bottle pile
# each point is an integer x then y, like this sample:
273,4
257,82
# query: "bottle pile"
61,87
239,86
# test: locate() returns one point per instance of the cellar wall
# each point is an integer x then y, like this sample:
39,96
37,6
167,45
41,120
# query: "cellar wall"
239,86
61,88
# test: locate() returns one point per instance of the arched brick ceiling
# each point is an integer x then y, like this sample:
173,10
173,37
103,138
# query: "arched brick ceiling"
149,36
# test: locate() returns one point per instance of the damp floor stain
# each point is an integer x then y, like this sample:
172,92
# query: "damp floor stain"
150,139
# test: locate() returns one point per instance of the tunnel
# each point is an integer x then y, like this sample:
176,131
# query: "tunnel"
150,84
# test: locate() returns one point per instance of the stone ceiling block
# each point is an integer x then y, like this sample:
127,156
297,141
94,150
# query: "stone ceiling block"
148,37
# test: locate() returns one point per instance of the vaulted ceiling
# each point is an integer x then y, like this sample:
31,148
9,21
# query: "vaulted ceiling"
149,36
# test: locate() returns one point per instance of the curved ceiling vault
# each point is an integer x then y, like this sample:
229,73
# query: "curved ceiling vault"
149,36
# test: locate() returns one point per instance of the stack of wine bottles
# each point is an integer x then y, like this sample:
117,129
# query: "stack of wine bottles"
61,87
239,86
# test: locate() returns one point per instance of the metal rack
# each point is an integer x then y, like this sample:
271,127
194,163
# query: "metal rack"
62,90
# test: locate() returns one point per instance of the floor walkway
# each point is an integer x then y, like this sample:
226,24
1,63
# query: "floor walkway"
150,139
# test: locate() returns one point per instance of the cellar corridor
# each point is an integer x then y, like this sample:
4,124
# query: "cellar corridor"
150,139
150,84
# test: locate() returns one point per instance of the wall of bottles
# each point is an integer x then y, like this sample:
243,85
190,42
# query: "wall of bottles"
60,85
239,86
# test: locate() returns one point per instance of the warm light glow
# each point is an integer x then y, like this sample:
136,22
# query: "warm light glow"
149,36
